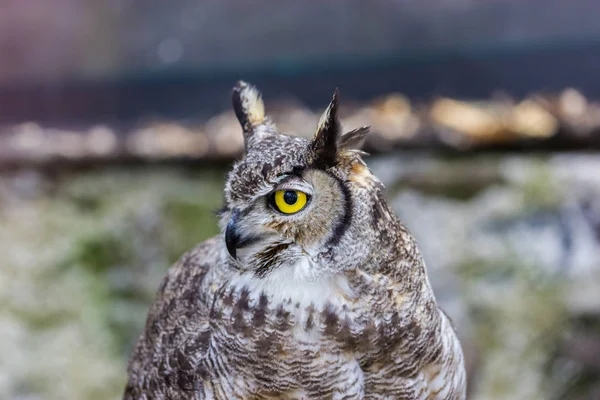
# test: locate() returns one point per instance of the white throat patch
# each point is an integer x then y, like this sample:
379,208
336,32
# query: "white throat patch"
301,282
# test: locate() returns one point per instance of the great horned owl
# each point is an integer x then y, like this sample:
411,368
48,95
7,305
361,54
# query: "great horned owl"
314,289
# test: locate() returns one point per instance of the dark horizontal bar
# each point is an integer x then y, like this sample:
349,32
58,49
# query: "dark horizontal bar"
458,73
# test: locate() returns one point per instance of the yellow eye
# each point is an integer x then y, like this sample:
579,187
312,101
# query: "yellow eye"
289,201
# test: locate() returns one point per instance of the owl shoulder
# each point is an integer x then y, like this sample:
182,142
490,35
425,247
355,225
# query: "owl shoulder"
180,295
181,306
187,274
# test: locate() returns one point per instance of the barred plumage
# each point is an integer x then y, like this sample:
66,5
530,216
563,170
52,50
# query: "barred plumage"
329,302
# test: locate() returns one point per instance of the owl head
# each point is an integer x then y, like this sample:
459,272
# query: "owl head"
297,201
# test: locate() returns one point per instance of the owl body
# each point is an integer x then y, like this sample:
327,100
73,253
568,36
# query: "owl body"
314,289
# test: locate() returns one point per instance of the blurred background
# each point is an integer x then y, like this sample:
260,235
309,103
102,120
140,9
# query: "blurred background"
116,134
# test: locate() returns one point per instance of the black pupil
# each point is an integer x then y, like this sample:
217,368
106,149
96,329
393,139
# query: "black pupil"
290,197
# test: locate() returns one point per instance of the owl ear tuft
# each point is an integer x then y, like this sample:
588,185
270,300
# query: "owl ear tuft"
328,142
325,141
249,108
354,139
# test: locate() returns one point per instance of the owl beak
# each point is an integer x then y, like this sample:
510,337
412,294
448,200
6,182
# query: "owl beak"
232,236
235,238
